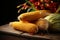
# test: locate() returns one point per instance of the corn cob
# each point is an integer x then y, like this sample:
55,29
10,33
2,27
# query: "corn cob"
31,16
24,26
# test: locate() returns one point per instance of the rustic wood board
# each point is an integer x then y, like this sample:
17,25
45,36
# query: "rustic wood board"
9,30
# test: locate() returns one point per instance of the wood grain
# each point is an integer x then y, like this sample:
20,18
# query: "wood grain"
10,31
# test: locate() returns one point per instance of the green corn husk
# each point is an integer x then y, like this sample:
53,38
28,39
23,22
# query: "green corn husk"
32,6
54,20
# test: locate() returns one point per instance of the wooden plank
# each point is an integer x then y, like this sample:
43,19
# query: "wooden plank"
36,36
9,30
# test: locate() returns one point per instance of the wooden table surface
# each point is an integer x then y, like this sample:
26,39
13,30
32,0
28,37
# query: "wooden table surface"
6,29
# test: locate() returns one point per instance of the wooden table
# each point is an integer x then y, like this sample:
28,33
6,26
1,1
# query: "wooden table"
7,30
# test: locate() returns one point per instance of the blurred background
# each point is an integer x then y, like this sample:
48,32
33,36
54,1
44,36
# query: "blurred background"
8,10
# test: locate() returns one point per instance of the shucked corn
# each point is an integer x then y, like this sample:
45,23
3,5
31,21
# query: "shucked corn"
24,26
31,16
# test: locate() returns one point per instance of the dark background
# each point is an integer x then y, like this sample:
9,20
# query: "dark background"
8,10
